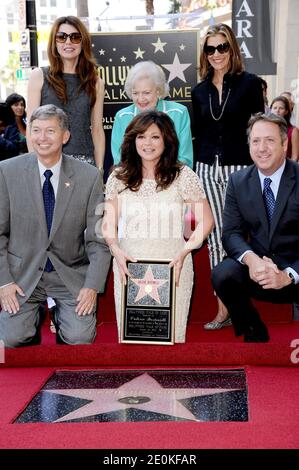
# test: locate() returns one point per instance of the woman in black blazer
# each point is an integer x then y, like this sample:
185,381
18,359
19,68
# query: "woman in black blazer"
223,102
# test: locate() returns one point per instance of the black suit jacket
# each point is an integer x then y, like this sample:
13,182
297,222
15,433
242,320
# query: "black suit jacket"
245,225
226,137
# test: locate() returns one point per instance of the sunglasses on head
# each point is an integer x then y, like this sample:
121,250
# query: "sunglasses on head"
221,48
75,38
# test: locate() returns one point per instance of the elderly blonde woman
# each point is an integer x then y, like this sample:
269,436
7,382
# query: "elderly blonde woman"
147,87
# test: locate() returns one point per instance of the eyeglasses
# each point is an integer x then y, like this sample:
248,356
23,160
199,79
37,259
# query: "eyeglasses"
221,48
75,38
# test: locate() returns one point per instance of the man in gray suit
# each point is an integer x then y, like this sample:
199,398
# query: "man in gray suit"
48,241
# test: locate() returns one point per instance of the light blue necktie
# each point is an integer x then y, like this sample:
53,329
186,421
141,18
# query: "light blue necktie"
49,203
269,199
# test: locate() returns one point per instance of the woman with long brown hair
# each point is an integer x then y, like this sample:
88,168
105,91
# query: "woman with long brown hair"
223,102
71,82
146,85
147,196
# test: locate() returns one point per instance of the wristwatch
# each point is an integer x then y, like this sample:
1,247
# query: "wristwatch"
291,276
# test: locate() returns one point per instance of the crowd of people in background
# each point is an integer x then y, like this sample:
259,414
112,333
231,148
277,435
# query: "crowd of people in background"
160,161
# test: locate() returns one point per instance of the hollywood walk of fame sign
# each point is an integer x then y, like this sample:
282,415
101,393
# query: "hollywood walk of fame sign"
177,52
148,303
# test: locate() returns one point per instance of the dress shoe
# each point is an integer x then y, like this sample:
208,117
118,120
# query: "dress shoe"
256,336
217,325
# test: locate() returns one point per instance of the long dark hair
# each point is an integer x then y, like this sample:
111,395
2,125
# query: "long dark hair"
14,98
129,171
86,67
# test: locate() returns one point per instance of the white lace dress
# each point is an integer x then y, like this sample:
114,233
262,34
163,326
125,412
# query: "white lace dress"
151,226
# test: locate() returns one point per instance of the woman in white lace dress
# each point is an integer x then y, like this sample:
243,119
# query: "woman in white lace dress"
147,196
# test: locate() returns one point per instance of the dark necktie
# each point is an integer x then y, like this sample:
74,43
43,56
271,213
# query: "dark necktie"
269,199
49,203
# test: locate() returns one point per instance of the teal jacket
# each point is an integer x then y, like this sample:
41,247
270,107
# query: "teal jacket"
176,111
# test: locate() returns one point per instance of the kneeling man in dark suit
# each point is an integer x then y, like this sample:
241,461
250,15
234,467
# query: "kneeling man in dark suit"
50,237
260,230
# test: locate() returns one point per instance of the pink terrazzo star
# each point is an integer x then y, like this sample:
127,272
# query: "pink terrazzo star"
148,285
159,399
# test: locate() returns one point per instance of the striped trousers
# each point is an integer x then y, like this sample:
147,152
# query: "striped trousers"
214,179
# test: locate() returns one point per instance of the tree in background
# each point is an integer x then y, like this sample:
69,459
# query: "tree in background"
83,12
8,73
150,10
149,7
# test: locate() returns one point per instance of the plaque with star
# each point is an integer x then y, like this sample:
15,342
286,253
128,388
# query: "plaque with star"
148,303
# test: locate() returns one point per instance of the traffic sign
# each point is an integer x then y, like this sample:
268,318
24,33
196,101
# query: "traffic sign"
22,74
19,74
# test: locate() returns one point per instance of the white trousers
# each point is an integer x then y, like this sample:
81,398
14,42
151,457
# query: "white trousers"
214,179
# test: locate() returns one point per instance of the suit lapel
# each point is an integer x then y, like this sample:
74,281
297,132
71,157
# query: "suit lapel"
35,191
286,186
64,192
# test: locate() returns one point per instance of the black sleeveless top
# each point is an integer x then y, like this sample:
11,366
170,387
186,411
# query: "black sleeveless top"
78,109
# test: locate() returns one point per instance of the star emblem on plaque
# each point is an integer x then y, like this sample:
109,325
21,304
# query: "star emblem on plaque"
148,303
148,286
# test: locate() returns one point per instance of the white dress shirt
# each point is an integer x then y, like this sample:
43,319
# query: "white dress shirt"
54,178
